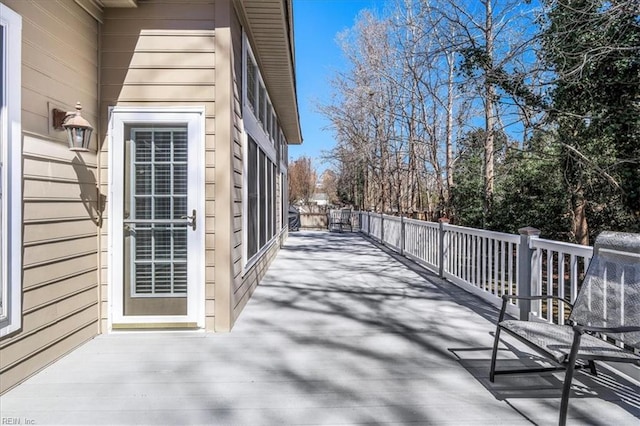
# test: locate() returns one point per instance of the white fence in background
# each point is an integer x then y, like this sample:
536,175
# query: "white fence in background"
487,263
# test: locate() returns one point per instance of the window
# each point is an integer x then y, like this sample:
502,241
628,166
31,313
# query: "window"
260,199
262,196
269,126
273,207
252,199
10,171
262,116
274,127
252,75
261,162
157,157
257,98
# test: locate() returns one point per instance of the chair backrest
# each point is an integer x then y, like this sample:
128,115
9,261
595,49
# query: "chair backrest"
610,293
340,216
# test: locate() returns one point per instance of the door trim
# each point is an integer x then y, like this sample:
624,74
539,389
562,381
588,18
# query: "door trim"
194,118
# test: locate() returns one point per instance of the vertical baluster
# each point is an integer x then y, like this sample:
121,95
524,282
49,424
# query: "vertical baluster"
467,249
538,279
574,277
511,275
482,268
561,257
549,285
503,266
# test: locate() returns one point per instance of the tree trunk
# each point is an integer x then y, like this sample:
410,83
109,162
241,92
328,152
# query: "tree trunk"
449,133
489,108
579,224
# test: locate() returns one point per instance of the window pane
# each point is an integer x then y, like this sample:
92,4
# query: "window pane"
263,106
162,146
251,84
269,119
269,217
252,208
143,147
263,198
274,204
283,201
157,249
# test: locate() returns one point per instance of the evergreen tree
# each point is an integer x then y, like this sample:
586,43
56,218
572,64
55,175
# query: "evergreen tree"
593,46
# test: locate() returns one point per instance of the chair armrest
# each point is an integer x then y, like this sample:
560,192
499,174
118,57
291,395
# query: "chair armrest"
559,299
506,297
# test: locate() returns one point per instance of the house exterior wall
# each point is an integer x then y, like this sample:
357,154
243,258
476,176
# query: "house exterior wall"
60,262
231,265
245,278
162,53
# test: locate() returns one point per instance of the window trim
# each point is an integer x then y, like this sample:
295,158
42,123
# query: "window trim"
252,120
260,128
11,153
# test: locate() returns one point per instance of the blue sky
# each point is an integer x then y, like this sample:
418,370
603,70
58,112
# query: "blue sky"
316,24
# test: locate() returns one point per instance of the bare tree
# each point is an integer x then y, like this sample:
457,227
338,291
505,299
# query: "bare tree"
402,104
302,180
329,185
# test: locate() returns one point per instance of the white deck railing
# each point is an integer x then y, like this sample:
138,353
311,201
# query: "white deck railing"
556,269
484,261
487,263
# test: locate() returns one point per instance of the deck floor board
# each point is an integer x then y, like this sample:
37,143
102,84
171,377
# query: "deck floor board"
340,331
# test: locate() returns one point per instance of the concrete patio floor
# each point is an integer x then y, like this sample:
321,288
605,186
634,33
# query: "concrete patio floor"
339,332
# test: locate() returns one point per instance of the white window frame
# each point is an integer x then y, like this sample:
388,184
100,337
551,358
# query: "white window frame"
252,123
259,131
11,172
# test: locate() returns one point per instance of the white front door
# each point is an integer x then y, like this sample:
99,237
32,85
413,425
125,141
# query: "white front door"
157,218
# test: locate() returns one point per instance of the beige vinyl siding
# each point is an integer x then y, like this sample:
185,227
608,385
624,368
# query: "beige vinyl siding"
162,53
251,279
237,249
60,262
60,298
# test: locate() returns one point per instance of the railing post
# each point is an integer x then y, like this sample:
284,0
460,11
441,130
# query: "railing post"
368,223
382,228
443,247
524,268
401,235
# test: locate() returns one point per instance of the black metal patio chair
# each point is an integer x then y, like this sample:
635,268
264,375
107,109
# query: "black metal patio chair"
339,220
608,303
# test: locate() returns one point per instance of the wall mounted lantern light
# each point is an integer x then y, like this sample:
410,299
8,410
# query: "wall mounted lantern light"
78,129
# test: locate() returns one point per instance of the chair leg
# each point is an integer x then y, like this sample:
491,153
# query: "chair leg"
568,378
494,355
592,368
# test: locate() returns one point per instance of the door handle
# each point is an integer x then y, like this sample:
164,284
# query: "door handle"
191,220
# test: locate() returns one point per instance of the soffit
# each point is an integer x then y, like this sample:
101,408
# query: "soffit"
95,8
270,29
119,3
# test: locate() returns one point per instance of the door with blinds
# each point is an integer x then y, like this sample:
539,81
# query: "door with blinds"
159,223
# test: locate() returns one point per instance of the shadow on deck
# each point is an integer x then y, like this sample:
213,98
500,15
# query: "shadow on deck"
340,331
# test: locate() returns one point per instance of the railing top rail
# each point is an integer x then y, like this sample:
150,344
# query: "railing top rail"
390,217
510,238
559,246
422,222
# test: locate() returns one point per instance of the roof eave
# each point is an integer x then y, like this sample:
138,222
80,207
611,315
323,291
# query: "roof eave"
270,30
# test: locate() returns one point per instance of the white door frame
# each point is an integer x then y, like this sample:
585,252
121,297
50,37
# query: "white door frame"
193,117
